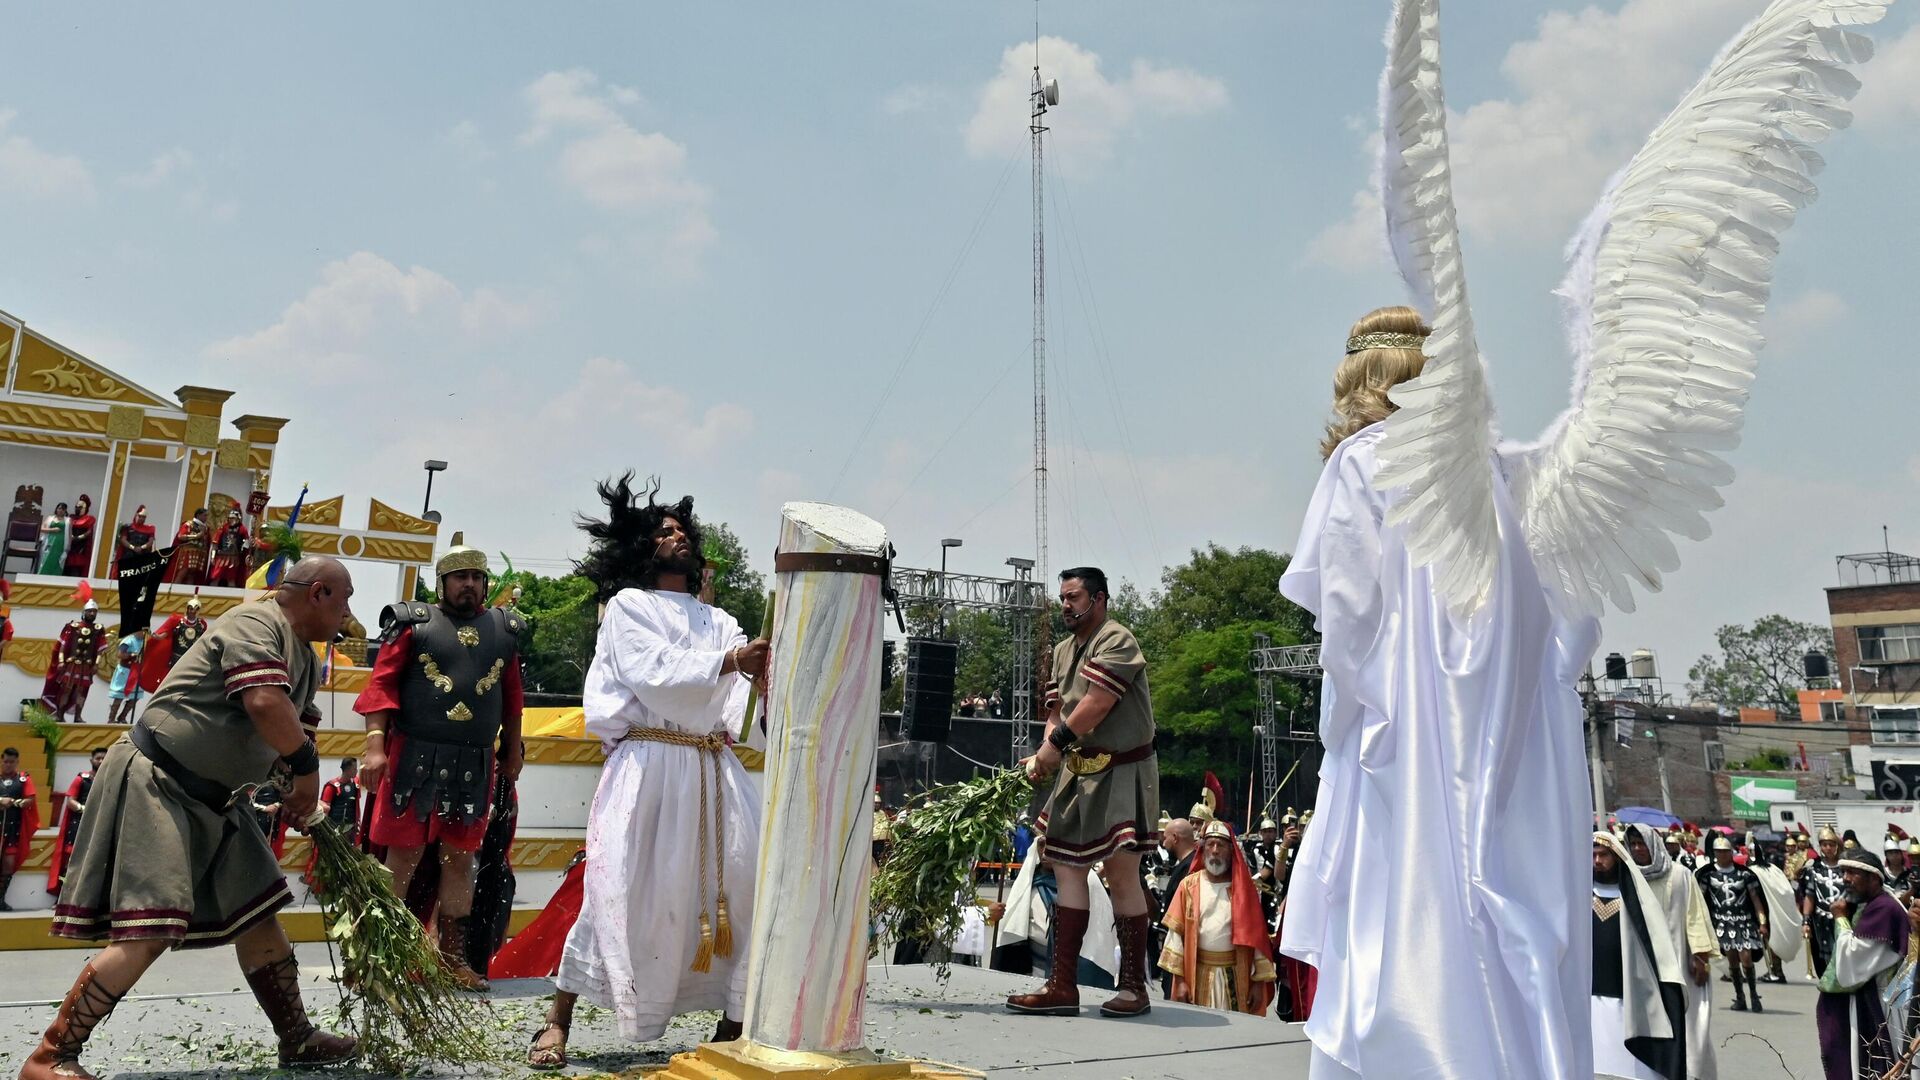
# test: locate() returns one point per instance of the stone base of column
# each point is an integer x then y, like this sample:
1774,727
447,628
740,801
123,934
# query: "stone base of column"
744,1060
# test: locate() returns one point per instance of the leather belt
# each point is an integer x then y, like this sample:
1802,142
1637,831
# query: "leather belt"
1093,762
830,562
215,797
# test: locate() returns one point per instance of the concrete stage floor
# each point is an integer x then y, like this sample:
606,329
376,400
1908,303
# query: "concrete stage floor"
193,1018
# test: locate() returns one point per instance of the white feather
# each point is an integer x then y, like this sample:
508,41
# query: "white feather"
1668,279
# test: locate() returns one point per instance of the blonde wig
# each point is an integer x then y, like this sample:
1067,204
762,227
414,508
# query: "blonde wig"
1361,382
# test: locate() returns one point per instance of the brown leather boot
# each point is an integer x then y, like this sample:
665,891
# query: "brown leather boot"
58,1055
1134,931
453,953
276,986
1061,994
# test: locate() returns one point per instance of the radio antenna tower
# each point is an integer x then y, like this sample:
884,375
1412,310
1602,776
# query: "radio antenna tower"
1044,92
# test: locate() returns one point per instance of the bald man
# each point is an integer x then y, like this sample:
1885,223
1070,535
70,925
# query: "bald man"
168,857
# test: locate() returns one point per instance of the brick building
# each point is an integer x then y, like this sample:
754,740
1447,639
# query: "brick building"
1638,739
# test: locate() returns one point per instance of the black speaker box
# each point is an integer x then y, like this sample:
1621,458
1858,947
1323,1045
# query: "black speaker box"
926,709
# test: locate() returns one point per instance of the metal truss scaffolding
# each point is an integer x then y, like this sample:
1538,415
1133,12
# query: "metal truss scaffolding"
1018,598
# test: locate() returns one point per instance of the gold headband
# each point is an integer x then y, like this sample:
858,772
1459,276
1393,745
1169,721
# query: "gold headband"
1384,340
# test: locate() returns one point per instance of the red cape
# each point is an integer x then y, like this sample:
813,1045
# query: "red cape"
59,861
534,953
29,821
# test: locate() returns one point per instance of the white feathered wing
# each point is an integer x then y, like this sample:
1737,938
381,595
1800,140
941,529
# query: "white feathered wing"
1438,445
1669,280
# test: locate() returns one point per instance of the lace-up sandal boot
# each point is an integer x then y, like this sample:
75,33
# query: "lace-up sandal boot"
1060,996
58,1055
453,953
276,986
1134,932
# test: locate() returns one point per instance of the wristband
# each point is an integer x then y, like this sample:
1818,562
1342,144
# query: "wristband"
1061,738
304,761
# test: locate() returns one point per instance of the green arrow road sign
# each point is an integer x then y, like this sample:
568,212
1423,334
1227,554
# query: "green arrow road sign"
1753,794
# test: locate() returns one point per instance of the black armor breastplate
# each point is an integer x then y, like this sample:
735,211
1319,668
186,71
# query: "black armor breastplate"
345,808
73,819
185,635
12,787
451,707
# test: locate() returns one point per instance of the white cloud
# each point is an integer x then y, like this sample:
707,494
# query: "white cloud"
1794,320
1588,88
466,139
1103,109
366,312
164,166
902,100
1889,100
27,171
615,166
1359,241
609,396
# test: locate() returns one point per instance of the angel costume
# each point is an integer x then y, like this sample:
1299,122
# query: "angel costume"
1457,582
655,894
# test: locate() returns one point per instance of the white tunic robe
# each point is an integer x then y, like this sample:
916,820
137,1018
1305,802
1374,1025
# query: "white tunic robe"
1443,891
657,664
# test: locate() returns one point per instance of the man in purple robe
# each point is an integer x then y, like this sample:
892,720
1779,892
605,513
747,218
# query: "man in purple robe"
1859,1038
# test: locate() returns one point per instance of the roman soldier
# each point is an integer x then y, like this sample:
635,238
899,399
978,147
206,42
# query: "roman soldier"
70,810
444,690
73,668
271,817
232,545
80,528
169,643
340,799
135,536
19,819
187,559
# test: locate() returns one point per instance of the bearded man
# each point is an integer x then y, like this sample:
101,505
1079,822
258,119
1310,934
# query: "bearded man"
1217,949
444,691
1693,940
674,833
1639,1004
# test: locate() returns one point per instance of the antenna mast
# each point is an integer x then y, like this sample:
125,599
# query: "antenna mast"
1042,94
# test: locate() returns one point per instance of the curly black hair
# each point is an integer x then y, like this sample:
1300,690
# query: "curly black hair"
621,553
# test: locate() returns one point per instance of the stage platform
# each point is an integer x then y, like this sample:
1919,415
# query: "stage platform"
193,1019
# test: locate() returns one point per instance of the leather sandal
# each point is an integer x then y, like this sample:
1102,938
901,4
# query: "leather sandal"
546,1058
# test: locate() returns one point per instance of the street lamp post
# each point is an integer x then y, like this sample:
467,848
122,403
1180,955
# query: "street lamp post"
426,507
944,546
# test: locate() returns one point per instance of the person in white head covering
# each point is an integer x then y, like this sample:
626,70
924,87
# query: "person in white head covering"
1693,938
1638,1001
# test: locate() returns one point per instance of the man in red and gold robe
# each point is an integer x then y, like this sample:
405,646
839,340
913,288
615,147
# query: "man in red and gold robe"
1217,950
187,559
75,663
19,819
71,808
232,546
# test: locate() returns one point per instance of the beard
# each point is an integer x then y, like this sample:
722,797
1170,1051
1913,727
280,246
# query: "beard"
1217,867
688,565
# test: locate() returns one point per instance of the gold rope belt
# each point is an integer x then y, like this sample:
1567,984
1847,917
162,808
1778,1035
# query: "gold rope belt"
716,937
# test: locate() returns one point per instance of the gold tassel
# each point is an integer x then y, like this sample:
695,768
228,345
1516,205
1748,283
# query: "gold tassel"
723,930
703,956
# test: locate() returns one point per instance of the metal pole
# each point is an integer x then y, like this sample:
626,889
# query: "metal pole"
1666,792
428,504
1591,699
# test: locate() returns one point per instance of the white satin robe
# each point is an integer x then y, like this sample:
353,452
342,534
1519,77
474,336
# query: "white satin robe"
1444,888
657,664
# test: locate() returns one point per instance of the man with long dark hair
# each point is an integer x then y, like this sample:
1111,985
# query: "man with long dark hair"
673,836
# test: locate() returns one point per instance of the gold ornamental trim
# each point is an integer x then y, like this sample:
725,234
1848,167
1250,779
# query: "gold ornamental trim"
402,551
47,368
230,453
384,518
53,418
260,457
459,714
55,441
200,432
31,655
440,680
491,678
165,429
312,512
60,598
125,422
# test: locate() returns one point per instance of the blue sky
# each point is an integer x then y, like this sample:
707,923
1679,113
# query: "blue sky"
547,244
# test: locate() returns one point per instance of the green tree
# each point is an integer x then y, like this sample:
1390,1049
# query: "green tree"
1759,666
1217,588
1206,702
738,589
563,622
